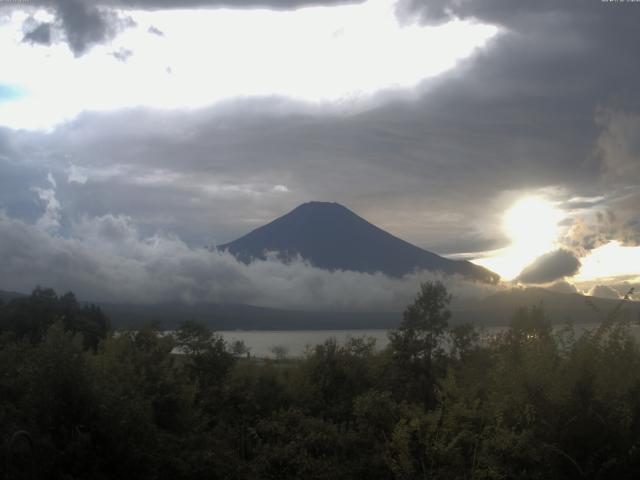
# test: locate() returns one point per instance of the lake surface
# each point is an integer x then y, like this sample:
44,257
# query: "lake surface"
296,342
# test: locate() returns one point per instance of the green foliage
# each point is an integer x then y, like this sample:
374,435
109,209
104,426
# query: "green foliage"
280,352
293,445
336,374
417,344
438,403
193,338
239,349
29,318
530,323
465,340
424,323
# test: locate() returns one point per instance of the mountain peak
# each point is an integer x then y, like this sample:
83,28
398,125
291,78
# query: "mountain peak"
321,206
331,236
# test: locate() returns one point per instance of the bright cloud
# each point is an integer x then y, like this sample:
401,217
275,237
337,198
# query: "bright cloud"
106,258
532,225
610,260
321,55
50,220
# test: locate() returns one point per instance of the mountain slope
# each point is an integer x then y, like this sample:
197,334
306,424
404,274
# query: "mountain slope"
498,309
332,237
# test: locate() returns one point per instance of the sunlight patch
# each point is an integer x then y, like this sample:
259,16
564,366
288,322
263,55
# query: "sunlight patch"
322,56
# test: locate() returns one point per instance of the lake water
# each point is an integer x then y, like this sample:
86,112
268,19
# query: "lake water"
295,342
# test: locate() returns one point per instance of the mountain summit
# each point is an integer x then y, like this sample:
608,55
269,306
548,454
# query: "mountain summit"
332,237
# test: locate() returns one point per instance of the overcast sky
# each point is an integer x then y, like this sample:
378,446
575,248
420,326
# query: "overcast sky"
193,122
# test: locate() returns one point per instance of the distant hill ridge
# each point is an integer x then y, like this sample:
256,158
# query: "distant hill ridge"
332,237
8,296
495,310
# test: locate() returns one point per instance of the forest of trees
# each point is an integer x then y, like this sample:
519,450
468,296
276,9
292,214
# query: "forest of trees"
79,401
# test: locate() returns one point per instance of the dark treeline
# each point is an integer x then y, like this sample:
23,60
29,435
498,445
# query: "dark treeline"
80,402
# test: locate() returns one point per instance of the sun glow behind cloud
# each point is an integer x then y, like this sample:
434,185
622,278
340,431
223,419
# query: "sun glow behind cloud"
320,55
532,225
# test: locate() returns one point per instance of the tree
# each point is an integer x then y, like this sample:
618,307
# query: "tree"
416,343
239,349
193,338
280,352
529,324
464,339
207,359
30,317
337,374
88,320
424,323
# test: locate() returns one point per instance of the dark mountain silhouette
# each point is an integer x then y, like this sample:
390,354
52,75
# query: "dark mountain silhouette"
498,309
221,316
332,237
495,310
8,296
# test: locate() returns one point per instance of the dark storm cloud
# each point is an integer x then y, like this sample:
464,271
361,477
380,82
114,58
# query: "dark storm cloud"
231,161
122,55
550,267
618,149
586,234
40,34
86,23
517,15
16,189
83,23
562,73
617,218
437,166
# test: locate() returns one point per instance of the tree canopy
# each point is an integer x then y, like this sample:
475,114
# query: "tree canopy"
78,401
